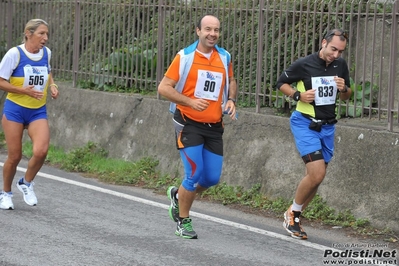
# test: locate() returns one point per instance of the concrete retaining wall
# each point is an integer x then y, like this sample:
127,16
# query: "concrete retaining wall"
362,177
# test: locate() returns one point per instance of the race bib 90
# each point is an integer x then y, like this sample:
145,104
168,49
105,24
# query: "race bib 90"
209,84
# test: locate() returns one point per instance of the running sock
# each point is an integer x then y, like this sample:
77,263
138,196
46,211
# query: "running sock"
182,218
296,207
23,181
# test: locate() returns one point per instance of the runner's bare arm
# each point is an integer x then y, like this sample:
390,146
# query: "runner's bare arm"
167,89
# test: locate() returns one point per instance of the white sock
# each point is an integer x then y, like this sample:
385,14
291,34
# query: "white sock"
296,207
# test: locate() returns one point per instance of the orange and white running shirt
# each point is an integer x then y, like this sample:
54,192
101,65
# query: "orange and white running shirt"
206,79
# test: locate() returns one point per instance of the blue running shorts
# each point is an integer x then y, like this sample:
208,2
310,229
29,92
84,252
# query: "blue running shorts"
23,115
308,141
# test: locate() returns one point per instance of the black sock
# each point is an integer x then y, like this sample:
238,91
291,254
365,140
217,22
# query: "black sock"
182,218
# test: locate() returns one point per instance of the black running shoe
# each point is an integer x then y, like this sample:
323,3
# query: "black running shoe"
293,226
185,229
174,204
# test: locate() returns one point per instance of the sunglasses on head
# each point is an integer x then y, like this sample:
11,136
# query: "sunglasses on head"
338,33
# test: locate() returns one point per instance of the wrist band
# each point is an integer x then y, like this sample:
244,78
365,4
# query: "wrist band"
231,99
297,96
55,85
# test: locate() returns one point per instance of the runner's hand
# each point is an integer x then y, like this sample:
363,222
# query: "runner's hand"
308,96
30,90
199,104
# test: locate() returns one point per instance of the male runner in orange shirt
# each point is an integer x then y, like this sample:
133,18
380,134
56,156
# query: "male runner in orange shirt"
201,86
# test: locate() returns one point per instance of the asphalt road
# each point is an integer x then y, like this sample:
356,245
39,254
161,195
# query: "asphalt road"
80,221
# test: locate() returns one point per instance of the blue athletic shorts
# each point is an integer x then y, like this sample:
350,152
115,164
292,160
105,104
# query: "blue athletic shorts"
23,115
308,141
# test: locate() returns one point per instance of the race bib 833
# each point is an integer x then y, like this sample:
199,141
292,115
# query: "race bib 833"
326,90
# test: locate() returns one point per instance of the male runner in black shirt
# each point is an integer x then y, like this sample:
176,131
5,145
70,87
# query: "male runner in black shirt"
320,77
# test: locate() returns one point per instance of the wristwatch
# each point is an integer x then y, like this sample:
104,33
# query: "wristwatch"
345,90
231,99
296,96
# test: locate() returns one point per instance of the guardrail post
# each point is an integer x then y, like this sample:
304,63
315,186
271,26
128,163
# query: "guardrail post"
76,44
160,53
392,65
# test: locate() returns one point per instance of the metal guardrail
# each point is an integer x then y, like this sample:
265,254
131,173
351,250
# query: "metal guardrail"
129,44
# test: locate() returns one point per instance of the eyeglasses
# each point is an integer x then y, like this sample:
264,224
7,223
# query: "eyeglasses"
338,33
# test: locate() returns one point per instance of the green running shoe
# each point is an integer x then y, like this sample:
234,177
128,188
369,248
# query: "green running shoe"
185,229
174,204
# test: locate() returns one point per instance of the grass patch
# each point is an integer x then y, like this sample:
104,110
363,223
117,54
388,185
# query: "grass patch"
93,161
2,140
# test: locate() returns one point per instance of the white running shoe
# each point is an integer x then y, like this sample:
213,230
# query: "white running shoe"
29,194
6,201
